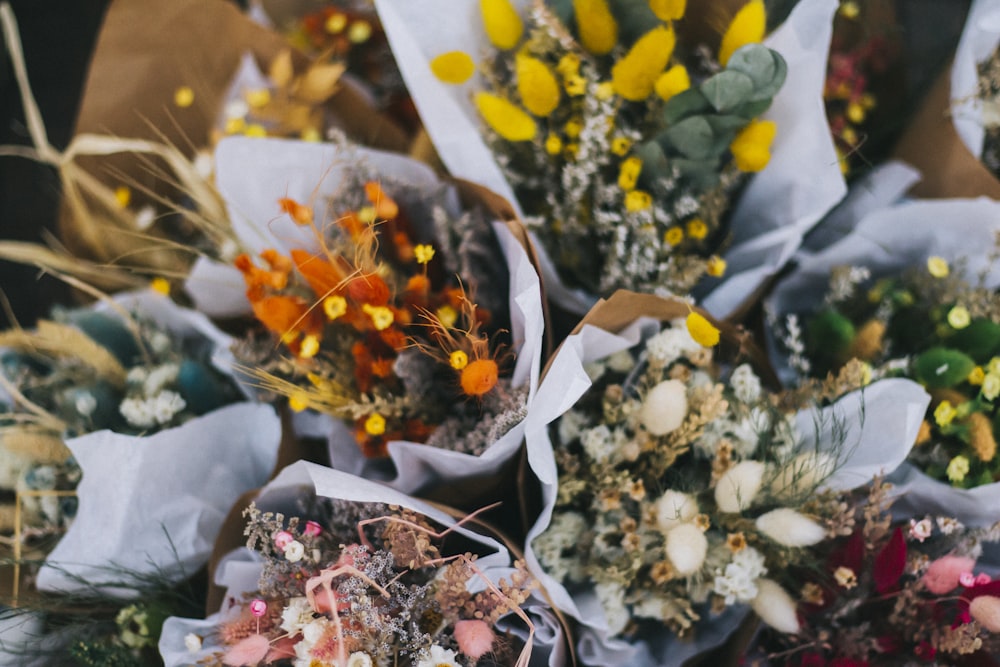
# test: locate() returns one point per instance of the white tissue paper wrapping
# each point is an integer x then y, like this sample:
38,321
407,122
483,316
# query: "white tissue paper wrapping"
252,174
780,204
240,570
888,241
155,504
878,429
979,38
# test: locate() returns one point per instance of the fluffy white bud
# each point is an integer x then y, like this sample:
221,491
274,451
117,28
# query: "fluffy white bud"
789,528
775,607
986,610
686,548
665,407
675,508
736,489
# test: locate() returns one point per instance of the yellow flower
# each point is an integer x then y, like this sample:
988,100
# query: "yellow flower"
635,74
573,128
673,236
993,366
958,468
628,173
336,23
845,577
976,376
620,146
703,331
944,413
605,90
752,146
458,360
637,200
674,80
453,67
503,25
123,195
309,347
255,130
571,150
359,32
958,317
447,316
423,252
258,98
537,85
575,85
298,402
596,25
747,28
184,97
160,286
381,316
235,125
668,10
375,424
506,119
568,65
553,144
334,306
366,214
938,267
991,386
849,10
311,134
855,112
716,266
697,229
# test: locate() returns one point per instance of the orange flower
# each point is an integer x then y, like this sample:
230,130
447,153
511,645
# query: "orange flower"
287,315
301,214
385,207
370,289
322,274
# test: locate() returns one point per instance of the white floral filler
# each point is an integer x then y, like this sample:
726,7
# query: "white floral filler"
680,495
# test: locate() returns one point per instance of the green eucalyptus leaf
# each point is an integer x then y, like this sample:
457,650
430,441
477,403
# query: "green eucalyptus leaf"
634,18
750,110
980,340
725,127
654,163
765,67
727,89
692,138
700,173
682,105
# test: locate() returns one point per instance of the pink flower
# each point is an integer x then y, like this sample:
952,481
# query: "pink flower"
474,638
312,528
250,651
967,579
920,530
258,607
282,538
943,574
982,578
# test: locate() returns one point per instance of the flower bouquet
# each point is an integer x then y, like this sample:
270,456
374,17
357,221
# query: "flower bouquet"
383,302
348,572
120,402
678,492
912,303
894,594
623,134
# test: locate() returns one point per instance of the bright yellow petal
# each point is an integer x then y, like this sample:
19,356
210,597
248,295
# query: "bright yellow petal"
596,26
748,27
635,74
752,146
537,85
675,80
703,331
668,10
453,67
503,26
506,119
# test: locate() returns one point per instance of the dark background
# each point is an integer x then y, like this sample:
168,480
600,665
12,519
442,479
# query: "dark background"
59,35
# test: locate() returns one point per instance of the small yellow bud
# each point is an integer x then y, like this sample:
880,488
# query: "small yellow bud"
605,91
375,424
697,229
596,26
160,286
703,331
752,146
957,469
620,146
716,266
184,97
575,85
976,376
123,195
638,200
335,23
938,267
447,316
573,128
668,10
944,413
628,173
855,112
635,74
309,347
748,27
298,402
382,317
553,144
506,119
958,317
424,253
258,98
334,306
458,360
673,236
537,85
503,26
255,130
675,80
453,67
359,32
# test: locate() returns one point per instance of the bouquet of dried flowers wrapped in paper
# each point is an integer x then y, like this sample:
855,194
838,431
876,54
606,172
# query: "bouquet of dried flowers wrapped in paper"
893,594
623,141
360,582
687,492
380,328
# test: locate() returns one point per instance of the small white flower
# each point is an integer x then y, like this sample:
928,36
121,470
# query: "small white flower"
668,345
136,375
598,443
294,551
192,642
775,607
675,508
612,597
85,403
359,659
570,425
686,548
204,163
621,361
738,583
297,614
145,217
737,488
789,528
437,656
160,377
166,406
594,370
137,412
664,407
745,384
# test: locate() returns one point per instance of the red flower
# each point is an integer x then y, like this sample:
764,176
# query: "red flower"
890,563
